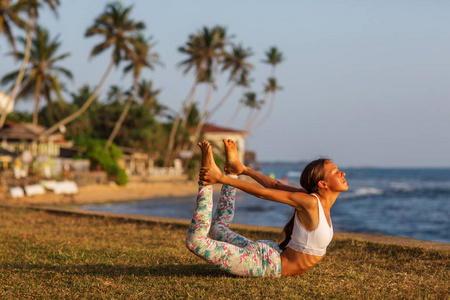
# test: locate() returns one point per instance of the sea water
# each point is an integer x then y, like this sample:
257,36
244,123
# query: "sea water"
412,203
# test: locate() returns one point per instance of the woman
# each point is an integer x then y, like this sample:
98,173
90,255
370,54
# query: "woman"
308,233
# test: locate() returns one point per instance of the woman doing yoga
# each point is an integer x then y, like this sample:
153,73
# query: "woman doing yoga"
308,233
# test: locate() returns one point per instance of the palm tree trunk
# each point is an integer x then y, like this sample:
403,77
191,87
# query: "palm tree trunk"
83,108
37,94
199,127
272,73
236,112
19,79
201,122
189,108
249,118
122,116
169,153
269,111
250,123
272,101
221,102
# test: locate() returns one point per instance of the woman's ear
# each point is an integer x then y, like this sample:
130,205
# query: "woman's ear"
322,184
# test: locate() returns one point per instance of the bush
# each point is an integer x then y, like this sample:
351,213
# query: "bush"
121,178
106,158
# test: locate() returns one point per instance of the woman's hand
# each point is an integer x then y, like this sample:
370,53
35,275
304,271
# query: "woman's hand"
209,176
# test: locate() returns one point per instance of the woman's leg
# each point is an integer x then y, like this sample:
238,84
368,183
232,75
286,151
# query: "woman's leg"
220,228
254,259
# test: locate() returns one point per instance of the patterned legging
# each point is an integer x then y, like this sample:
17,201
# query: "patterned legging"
226,249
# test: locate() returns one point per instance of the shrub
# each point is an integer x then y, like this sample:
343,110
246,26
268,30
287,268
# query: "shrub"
106,158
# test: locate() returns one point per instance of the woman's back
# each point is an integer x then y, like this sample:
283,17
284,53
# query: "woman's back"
307,247
315,241
296,263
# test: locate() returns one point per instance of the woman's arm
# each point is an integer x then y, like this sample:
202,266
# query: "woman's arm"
298,200
234,165
268,182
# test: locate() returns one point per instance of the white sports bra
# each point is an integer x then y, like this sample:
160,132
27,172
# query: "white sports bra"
312,242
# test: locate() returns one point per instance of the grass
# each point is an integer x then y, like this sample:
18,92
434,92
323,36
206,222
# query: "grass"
51,256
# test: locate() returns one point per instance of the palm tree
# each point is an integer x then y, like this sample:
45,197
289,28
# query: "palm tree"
41,77
273,58
148,97
239,70
139,58
205,50
270,89
9,15
244,82
84,124
211,47
31,8
176,122
118,31
114,94
250,101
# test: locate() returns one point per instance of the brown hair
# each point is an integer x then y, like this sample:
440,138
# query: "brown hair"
309,180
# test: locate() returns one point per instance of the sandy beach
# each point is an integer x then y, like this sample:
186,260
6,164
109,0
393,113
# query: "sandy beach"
136,189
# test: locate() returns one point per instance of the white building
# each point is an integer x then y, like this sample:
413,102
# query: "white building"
215,134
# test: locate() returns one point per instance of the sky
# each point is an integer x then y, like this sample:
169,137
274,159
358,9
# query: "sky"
364,82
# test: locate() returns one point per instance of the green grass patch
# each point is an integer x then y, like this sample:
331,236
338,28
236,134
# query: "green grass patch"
50,256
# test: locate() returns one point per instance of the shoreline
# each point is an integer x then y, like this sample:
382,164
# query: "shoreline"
157,187
368,237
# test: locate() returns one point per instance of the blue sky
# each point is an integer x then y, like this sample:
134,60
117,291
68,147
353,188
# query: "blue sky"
364,82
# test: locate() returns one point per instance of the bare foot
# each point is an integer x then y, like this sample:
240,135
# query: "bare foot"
232,165
209,166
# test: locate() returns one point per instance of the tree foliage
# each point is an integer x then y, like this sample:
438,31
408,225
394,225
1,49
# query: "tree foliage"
133,117
107,159
41,77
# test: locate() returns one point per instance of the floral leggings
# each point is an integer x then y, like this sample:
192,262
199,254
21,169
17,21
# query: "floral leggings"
226,249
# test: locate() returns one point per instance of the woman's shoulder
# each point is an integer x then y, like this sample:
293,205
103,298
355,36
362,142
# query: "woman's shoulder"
305,201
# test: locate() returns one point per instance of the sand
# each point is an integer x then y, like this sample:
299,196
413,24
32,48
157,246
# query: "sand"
138,188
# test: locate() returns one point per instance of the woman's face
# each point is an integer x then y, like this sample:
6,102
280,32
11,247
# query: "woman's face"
334,178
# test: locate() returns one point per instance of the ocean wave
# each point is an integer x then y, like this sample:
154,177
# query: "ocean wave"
362,192
371,192
293,174
402,186
368,191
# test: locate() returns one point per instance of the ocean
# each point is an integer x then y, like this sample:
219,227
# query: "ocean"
410,202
